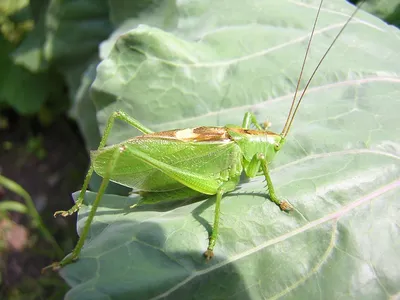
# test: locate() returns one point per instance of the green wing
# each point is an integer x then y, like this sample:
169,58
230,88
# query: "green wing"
165,164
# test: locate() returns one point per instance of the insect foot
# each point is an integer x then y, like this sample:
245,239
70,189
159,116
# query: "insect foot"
208,254
266,125
54,267
66,213
63,213
285,206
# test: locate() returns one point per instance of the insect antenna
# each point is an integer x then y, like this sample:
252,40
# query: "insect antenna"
293,108
285,128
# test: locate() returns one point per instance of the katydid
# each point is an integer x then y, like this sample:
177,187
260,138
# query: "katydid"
182,163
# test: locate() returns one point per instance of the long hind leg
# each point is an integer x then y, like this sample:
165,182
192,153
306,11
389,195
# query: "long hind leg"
77,250
116,115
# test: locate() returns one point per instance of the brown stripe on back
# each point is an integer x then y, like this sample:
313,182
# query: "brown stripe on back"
211,133
251,131
198,134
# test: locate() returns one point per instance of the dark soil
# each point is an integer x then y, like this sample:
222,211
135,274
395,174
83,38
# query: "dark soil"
49,163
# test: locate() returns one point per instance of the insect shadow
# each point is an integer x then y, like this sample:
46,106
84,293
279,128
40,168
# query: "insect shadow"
131,274
196,213
115,207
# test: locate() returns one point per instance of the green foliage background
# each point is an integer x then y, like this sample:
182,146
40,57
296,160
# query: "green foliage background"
206,63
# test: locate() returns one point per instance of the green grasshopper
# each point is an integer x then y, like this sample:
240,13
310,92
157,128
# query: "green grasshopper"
185,163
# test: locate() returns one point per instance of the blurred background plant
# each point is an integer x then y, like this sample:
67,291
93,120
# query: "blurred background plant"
17,237
49,51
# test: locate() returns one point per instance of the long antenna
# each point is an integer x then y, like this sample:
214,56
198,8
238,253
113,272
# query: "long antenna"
291,115
286,128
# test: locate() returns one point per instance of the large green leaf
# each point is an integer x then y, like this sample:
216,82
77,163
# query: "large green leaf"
19,88
339,168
